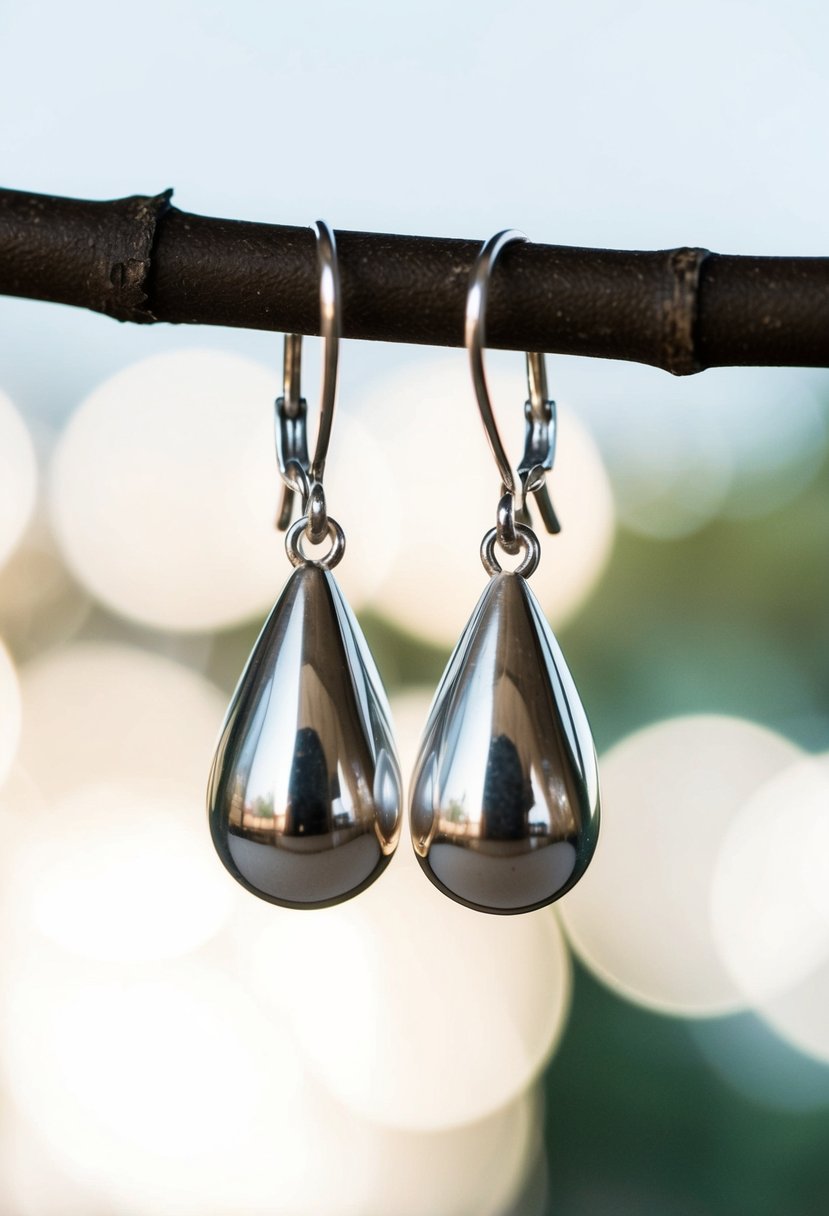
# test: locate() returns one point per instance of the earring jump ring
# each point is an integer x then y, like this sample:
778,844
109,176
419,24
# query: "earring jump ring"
293,544
526,540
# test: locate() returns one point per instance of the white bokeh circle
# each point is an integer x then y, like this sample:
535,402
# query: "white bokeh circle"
477,1167
409,710
120,874
172,1089
799,1014
10,713
18,477
448,488
171,1092
21,806
639,918
104,711
32,1183
770,904
41,604
398,996
737,441
116,862
165,1092
164,492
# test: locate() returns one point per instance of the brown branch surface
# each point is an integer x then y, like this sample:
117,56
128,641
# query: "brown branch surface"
141,259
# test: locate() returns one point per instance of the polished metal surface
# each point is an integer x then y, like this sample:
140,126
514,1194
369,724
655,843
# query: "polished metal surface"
540,430
331,326
296,554
525,539
291,432
540,412
505,793
475,341
291,412
305,793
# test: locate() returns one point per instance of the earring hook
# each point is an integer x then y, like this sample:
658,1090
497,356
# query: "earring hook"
331,331
291,411
539,411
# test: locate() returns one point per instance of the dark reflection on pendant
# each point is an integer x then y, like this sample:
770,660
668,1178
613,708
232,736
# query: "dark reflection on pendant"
508,797
505,796
309,797
304,795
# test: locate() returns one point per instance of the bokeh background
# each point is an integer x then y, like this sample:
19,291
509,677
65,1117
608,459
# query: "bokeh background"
660,1042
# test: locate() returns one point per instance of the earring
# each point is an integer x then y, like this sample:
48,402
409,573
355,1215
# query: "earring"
505,792
304,793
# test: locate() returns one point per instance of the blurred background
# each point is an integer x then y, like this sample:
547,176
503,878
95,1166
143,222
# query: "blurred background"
657,1043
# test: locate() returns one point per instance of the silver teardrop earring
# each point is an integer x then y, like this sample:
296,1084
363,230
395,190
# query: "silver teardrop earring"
505,792
304,793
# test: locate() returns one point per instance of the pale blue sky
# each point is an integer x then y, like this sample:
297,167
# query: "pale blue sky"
601,123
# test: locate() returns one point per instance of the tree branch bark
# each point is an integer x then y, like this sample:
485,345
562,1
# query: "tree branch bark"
140,259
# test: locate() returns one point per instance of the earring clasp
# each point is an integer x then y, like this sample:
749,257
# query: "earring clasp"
539,411
299,473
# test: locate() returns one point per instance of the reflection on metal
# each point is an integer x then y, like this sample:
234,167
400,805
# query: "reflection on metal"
539,410
305,792
505,794
291,409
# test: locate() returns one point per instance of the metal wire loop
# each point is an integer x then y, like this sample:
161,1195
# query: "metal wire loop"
314,510
540,414
297,481
293,544
505,526
291,412
527,540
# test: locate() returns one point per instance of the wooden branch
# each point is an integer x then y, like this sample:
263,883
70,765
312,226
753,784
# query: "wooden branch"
140,259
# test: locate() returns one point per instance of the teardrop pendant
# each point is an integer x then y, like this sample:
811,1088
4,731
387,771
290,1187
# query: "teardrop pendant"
505,793
305,792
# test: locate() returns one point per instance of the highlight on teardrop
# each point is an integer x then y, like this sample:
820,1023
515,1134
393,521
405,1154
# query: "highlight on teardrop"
305,791
505,795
